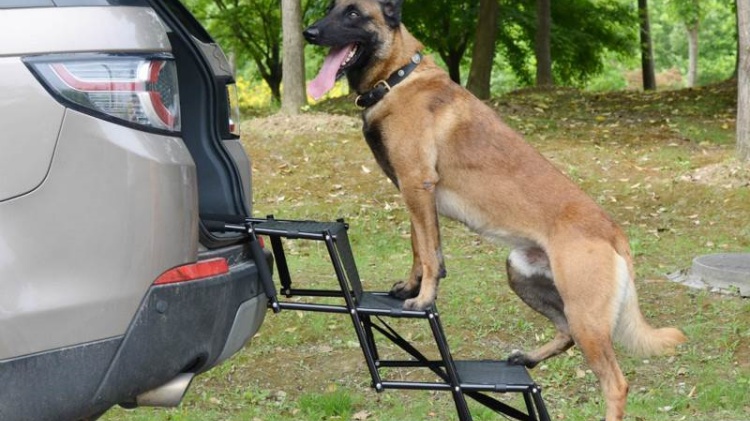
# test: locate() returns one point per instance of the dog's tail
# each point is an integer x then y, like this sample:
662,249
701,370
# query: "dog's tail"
632,331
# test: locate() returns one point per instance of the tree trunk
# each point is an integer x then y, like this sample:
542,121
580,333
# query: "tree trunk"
647,52
293,63
452,59
274,83
542,48
743,82
737,37
484,49
692,55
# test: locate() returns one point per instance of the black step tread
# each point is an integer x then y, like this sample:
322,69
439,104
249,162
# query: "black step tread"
294,229
381,303
493,375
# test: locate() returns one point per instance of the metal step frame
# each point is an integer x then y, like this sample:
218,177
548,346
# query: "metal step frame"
369,311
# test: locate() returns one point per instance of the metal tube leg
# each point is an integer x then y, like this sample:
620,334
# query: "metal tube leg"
462,406
541,408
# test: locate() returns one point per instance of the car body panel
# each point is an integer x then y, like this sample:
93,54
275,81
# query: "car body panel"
82,29
26,145
104,236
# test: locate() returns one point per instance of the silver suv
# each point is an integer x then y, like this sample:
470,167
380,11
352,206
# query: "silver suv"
118,142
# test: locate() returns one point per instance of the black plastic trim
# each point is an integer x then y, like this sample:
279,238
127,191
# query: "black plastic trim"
179,328
188,30
220,186
55,385
188,21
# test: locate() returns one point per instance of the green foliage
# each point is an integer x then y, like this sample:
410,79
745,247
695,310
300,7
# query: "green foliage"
446,26
594,42
717,42
583,31
689,12
337,404
249,29
612,76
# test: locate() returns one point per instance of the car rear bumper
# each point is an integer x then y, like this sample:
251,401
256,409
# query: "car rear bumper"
179,328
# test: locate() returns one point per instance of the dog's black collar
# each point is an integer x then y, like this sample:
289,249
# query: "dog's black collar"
371,97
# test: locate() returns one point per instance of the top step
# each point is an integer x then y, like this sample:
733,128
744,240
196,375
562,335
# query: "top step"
312,230
382,304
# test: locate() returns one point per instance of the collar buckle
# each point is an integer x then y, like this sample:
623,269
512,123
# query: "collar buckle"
384,84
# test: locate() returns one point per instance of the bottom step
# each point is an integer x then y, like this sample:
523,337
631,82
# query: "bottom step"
494,376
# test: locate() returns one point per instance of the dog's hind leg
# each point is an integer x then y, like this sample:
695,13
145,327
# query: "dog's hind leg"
588,280
530,278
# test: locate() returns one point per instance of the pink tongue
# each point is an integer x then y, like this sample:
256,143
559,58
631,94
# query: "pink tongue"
327,76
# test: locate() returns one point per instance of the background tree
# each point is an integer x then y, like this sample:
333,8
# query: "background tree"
249,28
446,26
293,65
717,29
737,34
689,13
743,81
484,49
584,31
647,52
542,43
590,41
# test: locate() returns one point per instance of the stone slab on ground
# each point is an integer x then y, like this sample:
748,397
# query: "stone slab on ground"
723,272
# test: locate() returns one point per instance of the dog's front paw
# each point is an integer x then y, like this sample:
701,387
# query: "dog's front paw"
519,358
402,290
418,304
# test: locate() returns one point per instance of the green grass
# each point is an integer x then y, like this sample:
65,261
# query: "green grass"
634,153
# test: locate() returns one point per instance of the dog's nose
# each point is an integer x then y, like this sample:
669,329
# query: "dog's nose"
311,34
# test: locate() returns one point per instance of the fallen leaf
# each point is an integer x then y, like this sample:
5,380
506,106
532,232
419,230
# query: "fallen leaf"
361,416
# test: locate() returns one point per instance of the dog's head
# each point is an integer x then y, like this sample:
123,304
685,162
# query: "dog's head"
358,32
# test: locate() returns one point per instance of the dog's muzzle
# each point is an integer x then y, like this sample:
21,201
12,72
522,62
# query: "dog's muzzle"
311,34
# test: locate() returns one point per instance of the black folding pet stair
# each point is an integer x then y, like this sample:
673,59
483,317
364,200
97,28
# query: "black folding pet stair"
369,311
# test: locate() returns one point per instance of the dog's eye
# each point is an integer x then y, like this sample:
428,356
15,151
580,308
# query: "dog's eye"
351,12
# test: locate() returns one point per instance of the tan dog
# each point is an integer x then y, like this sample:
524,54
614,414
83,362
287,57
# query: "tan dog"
448,153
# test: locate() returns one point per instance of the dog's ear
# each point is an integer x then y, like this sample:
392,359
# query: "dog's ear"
392,12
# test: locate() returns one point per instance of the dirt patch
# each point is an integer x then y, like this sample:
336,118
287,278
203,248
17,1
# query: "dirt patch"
669,79
729,175
301,124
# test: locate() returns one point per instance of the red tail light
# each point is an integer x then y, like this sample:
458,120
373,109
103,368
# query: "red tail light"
194,271
138,90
